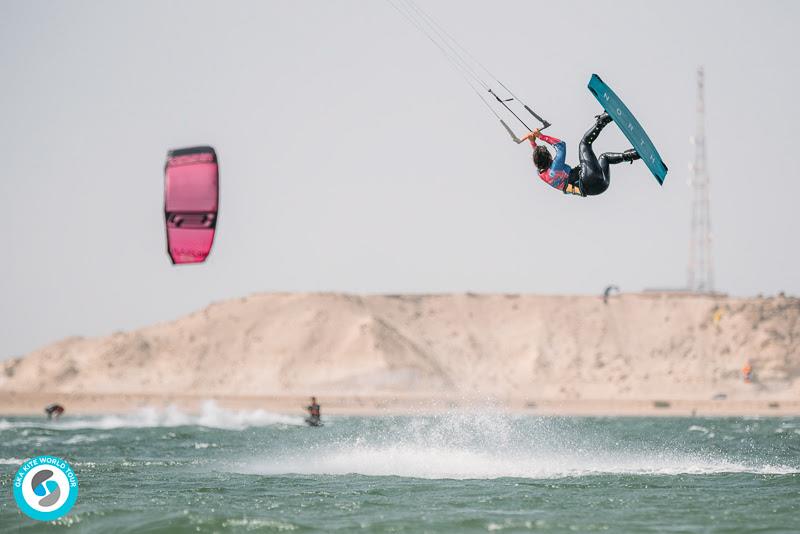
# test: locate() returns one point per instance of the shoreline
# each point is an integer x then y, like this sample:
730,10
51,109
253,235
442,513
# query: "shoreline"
634,355
31,404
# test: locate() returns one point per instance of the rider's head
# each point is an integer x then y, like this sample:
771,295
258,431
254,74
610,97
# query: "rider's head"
313,400
542,158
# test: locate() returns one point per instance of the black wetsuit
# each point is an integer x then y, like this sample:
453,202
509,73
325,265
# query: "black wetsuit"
593,176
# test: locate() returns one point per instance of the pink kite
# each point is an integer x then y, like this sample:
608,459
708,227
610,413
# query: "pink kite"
191,198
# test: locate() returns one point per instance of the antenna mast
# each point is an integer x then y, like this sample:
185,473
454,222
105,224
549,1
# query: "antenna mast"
701,268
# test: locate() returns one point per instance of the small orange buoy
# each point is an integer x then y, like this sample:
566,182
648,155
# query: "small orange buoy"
747,371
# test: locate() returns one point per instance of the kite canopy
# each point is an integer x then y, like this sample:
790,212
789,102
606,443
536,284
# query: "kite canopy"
191,198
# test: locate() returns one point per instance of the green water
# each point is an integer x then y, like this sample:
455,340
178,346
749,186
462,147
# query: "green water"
467,472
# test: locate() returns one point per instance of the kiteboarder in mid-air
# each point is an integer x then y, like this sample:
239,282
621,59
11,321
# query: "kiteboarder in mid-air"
592,176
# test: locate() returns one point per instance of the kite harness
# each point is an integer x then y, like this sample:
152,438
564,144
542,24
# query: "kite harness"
593,175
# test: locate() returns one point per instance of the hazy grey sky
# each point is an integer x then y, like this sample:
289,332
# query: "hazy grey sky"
354,159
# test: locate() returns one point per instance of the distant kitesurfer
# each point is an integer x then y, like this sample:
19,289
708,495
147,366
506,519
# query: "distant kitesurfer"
53,410
313,418
592,176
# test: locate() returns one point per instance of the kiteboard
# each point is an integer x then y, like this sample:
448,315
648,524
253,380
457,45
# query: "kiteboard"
629,126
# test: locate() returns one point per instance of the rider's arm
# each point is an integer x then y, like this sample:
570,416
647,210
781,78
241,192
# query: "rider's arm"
561,154
531,136
549,140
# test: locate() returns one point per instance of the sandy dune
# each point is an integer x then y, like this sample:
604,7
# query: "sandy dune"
521,348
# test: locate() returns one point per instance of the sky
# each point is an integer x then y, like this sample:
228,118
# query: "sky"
353,157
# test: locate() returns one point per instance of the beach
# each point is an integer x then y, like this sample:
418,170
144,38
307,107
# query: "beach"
631,354
20,404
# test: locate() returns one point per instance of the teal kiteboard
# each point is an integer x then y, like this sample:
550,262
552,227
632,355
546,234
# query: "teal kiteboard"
630,127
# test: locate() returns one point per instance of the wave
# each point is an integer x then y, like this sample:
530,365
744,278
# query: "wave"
211,415
444,463
467,446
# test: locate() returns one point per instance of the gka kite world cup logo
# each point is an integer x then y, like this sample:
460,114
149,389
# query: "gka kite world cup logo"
45,488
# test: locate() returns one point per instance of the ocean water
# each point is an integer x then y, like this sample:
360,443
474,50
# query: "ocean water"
222,471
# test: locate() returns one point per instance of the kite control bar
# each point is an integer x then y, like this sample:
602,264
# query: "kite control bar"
545,124
510,132
516,139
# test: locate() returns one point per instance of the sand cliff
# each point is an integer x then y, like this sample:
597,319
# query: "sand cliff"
637,346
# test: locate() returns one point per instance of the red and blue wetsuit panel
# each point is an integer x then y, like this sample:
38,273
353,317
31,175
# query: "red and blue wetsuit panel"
558,173
191,197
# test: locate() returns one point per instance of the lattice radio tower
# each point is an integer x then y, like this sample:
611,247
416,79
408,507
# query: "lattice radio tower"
701,268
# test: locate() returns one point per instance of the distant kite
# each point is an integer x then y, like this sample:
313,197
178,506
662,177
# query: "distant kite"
191,200
608,291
